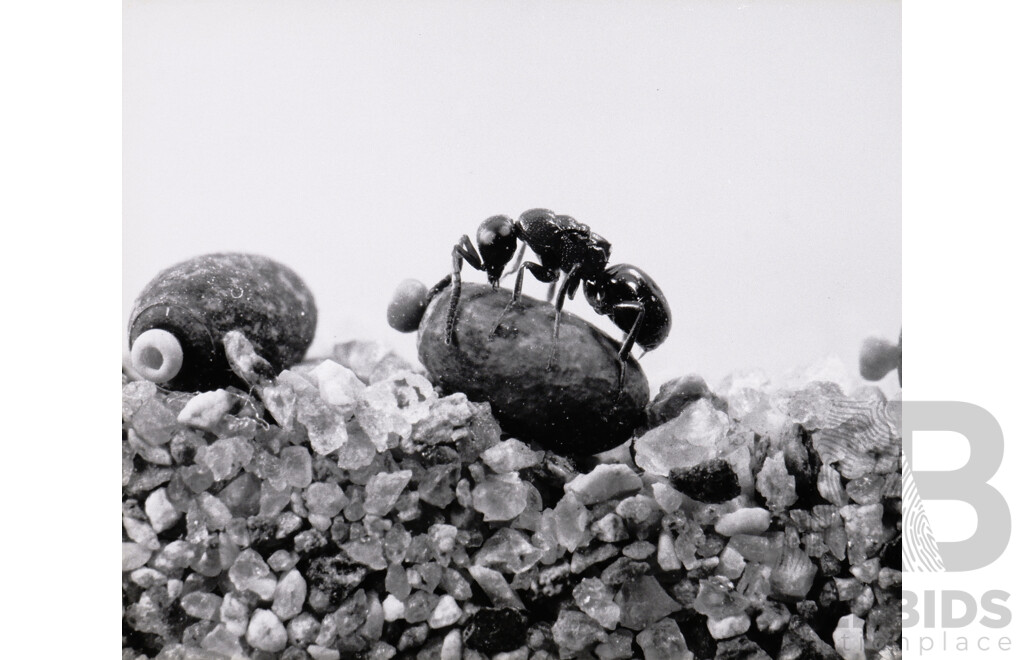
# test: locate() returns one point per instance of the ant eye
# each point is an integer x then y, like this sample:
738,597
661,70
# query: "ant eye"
494,230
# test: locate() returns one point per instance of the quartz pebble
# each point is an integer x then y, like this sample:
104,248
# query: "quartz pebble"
509,456
266,632
685,441
445,613
206,410
289,595
603,483
663,641
575,631
743,521
594,598
501,497
162,514
383,490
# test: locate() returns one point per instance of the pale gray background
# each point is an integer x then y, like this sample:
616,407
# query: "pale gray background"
746,155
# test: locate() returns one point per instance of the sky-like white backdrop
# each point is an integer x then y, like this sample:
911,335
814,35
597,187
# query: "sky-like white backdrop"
746,155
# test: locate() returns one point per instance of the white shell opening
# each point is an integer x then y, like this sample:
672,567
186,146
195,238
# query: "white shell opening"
157,355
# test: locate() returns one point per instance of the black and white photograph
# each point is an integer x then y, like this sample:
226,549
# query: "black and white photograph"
532,330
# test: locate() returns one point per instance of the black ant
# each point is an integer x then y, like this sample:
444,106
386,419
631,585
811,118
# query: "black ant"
622,292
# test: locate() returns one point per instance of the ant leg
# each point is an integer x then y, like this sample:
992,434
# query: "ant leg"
463,250
540,272
439,287
567,283
627,343
551,290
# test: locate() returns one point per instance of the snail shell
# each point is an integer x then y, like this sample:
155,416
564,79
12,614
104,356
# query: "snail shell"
177,324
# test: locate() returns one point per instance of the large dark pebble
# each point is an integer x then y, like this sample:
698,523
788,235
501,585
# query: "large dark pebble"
495,630
575,406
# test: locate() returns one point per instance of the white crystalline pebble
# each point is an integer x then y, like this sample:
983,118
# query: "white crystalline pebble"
744,521
445,613
279,399
496,587
394,609
147,577
618,647
849,637
234,613
322,652
206,409
383,491
325,498
391,407
201,605
339,386
250,573
155,455
415,395
296,466
731,563
225,456
266,632
217,513
223,641
133,556
668,560
570,518
521,653
667,497
610,529
451,647
889,577
141,532
324,423
289,595
162,514
603,483
776,484
509,456
728,626
594,598
691,438
359,451
500,497
639,550
664,641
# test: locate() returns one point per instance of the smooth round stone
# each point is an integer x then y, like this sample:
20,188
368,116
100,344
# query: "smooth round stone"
572,405
744,521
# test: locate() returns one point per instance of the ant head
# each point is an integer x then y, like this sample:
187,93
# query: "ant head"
497,241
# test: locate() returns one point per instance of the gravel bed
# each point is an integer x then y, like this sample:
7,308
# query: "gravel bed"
346,509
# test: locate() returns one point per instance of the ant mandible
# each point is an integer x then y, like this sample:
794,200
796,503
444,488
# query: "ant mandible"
622,292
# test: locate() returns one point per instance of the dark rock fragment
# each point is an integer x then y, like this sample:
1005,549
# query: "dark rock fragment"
712,481
494,630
